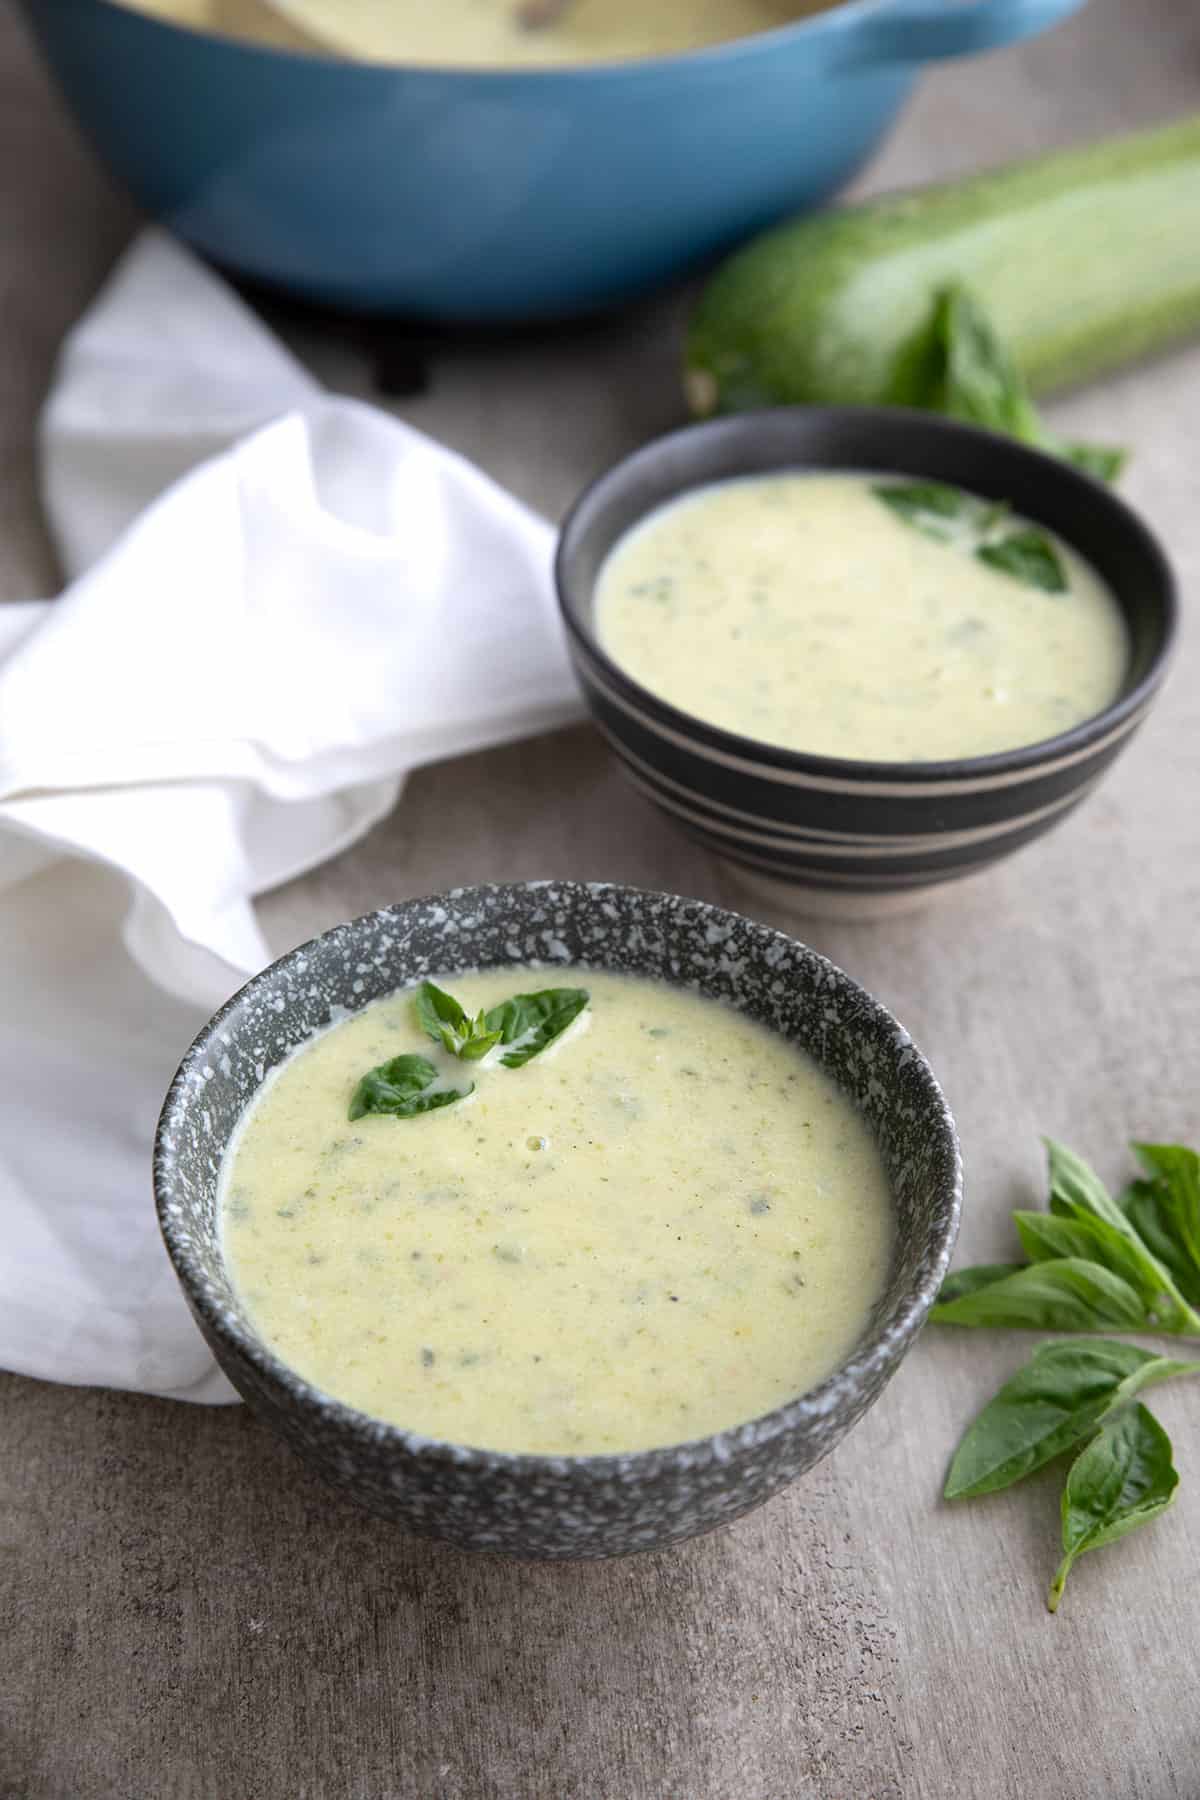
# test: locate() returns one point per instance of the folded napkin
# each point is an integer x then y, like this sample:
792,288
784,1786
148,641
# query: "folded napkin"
281,602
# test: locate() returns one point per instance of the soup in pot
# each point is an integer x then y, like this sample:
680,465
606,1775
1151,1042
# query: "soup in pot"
487,33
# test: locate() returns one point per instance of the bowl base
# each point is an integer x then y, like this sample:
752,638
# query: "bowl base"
802,900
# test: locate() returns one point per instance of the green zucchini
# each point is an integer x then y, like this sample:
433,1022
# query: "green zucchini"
1084,260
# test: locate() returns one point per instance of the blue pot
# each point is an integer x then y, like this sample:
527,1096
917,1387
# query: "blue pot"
479,195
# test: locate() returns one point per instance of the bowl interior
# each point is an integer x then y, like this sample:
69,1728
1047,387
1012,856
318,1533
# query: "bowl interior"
771,977
876,440
291,41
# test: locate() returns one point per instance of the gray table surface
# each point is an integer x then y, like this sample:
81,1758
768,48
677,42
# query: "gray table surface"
186,1613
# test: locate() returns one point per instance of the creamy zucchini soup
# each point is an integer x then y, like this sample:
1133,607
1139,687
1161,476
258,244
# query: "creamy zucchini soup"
487,33
646,1219
862,617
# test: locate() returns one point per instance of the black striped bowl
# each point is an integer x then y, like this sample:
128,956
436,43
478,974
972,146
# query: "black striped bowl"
861,835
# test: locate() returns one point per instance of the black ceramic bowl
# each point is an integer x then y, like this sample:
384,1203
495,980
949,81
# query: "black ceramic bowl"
846,831
559,1506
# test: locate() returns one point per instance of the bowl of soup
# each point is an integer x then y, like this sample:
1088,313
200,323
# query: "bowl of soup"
556,1219
862,653
491,159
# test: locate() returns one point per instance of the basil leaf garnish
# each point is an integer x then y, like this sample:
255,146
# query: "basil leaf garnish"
436,1010
402,1087
924,504
1123,1479
1063,1392
1028,555
478,1041
406,1086
529,1022
442,1018
969,524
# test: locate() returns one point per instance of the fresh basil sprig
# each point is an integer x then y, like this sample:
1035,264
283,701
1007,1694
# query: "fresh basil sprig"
1064,1391
1067,1295
1123,1479
403,1087
442,1018
1094,1261
1164,1210
1090,1266
959,365
407,1086
974,526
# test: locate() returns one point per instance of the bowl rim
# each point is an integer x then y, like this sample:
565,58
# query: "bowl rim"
891,423
883,1343
837,18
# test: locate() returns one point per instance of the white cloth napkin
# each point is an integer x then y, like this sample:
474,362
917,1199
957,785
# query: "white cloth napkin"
281,602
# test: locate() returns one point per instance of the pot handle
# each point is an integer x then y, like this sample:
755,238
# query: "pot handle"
917,31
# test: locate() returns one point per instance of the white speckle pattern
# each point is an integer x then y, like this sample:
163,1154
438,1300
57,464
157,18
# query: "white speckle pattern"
541,1506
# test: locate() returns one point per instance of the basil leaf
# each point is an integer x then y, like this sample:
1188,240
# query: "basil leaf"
1078,1194
1063,1392
1180,1168
442,1018
1178,1172
923,504
969,1281
968,524
980,381
402,1088
1123,1479
1147,1205
479,1041
436,1009
1066,1295
1044,1237
1029,556
922,497
1101,462
959,365
532,1021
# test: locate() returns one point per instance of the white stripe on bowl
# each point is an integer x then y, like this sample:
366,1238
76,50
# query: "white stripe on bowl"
647,778
849,845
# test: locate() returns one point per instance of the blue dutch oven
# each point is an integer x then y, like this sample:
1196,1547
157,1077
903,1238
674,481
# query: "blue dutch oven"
464,194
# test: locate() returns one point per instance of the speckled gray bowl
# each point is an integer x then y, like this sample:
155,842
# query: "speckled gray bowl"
559,1506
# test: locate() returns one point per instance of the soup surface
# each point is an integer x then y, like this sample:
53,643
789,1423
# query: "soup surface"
487,33
804,611
668,1222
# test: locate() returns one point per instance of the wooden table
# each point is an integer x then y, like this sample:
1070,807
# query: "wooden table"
187,1615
